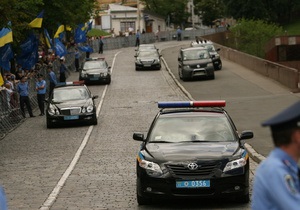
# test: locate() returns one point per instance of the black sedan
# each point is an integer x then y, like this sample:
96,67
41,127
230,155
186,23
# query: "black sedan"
71,103
95,70
192,149
147,59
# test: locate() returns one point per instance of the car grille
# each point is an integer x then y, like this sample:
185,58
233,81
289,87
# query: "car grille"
147,62
71,111
182,169
198,66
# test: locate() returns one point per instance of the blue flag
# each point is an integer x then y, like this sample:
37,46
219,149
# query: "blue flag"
29,52
6,54
59,48
48,39
85,48
80,35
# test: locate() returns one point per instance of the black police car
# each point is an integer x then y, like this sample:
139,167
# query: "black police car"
192,149
95,70
71,102
212,51
195,62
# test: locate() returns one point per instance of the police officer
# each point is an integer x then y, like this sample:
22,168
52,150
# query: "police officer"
276,182
40,87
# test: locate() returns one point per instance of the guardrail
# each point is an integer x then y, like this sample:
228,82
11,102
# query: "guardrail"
10,114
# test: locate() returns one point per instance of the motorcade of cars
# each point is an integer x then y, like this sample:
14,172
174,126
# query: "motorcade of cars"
95,70
195,62
147,59
212,51
70,103
192,150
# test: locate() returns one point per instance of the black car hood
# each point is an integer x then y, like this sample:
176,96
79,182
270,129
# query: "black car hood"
68,104
195,62
164,152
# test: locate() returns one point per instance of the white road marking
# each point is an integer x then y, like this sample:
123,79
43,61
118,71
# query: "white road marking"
55,192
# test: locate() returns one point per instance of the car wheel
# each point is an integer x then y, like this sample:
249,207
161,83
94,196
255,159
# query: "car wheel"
219,66
108,81
95,120
243,198
140,199
49,124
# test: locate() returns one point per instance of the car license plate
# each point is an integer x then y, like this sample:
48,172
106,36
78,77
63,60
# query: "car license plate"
193,184
71,117
94,78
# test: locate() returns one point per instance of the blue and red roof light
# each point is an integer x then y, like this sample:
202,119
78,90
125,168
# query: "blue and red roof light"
70,83
191,104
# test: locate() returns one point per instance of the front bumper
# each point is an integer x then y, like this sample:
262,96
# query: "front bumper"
222,187
200,72
95,79
70,119
148,66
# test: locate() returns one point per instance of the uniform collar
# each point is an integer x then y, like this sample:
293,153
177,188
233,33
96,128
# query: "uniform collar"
286,159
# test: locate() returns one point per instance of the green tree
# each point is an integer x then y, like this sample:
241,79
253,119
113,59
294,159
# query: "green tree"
250,36
209,10
174,9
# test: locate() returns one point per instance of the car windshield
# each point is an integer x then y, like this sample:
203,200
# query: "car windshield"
94,65
146,47
195,54
61,95
192,129
148,54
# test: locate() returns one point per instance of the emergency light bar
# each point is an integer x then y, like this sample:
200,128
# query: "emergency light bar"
190,104
70,83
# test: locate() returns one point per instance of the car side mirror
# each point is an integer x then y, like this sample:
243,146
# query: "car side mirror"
138,136
218,49
160,55
246,135
96,96
135,56
179,59
109,67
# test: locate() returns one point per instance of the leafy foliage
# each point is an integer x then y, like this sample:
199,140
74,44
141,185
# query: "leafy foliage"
209,10
175,9
97,33
250,36
277,11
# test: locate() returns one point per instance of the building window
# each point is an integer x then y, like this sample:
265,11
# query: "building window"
126,25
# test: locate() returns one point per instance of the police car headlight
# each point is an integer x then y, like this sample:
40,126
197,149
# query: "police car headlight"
186,67
104,74
52,110
235,164
210,65
152,169
83,74
89,109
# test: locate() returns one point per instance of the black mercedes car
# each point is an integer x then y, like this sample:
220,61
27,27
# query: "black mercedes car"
71,103
147,59
95,70
195,62
192,149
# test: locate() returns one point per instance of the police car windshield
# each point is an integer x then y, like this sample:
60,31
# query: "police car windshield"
195,54
61,95
192,129
94,65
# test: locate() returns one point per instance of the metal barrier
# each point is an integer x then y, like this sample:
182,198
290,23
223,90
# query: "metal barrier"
10,114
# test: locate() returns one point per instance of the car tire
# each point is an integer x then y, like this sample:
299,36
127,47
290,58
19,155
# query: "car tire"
219,66
140,199
108,81
49,124
243,199
95,120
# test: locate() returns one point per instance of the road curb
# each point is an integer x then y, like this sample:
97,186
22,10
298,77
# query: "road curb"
252,152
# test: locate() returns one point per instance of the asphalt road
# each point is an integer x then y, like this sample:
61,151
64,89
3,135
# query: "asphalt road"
93,167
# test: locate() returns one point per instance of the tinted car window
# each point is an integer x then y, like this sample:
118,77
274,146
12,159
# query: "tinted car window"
195,54
60,95
192,128
94,65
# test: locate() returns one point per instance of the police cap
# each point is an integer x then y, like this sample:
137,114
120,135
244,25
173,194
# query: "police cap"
288,118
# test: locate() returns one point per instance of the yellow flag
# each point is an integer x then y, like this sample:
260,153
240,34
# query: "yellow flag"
60,29
1,80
